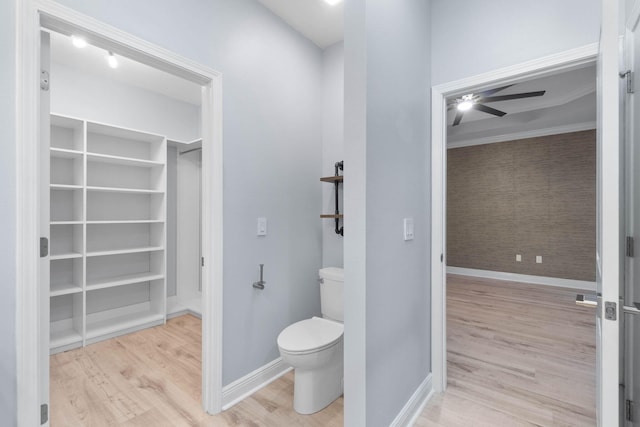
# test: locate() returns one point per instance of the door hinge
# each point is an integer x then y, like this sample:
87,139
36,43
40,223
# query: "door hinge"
610,310
202,261
44,80
628,410
628,76
441,257
44,413
630,245
44,247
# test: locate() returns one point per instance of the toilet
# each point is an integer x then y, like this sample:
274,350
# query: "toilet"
314,348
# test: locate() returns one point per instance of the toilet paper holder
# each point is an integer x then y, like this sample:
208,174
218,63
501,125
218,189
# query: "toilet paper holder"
260,284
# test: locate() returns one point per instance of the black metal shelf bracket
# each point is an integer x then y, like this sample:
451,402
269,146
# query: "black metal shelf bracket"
339,166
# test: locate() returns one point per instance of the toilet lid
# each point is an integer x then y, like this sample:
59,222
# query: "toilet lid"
310,335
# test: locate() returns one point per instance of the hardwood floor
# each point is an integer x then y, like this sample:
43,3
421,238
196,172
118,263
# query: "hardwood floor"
518,355
153,377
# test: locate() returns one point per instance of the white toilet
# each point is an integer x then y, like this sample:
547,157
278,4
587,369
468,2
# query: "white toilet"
314,348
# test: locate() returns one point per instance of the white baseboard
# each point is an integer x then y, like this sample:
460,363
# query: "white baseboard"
177,306
252,382
581,285
414,406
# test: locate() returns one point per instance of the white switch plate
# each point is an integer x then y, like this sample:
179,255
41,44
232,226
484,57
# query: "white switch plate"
408,229
518,258
538,259
262,226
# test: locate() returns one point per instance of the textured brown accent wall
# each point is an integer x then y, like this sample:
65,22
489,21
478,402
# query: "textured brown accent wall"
533,196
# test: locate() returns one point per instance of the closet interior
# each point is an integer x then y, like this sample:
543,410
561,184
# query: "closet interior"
125,196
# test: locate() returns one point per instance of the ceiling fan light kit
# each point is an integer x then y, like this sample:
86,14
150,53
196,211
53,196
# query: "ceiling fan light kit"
476,101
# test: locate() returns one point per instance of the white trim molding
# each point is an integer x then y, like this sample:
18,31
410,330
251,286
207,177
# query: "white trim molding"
556,130
582,285
572,59
414,406
252,382
30,16
28,346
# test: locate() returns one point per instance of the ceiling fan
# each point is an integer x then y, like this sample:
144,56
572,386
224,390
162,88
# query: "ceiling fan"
476,101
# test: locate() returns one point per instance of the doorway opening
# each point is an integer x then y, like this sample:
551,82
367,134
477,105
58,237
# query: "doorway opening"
36,294
505,262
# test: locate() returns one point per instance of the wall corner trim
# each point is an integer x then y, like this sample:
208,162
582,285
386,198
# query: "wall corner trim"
414,406
243,387
581,285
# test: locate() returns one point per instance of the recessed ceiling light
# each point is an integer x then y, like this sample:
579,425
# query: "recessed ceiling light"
333,2
78,41
112,60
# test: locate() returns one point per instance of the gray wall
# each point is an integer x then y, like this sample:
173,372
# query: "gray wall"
387,99
272,156
7,214
534,196
470,37
332,147
81,94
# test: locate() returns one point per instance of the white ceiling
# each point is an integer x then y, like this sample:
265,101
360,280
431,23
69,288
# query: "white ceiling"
569,103
315,19
91,59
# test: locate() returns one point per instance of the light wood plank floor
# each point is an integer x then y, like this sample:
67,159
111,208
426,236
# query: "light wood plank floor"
153,377
518,355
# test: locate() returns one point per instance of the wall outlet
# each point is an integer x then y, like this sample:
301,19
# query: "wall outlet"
518,258
262,226
408,228
538,259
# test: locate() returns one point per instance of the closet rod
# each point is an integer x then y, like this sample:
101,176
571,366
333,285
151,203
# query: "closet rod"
188,151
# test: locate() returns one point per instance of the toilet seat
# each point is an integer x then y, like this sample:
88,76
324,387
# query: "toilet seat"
310,336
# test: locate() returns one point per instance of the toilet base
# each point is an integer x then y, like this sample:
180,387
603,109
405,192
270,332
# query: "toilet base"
315,389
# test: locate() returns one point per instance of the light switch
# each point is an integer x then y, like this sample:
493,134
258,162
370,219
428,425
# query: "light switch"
538,259
262,226
408,229
518,258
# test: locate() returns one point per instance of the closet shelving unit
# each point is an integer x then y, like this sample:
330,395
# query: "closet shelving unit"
108,210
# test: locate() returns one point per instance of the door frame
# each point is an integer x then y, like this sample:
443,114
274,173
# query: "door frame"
632,25
552,64
31,16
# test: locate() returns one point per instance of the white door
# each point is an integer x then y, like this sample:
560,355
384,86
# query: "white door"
608,219
632,216
44,225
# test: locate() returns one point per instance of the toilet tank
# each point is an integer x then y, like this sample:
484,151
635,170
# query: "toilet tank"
331,300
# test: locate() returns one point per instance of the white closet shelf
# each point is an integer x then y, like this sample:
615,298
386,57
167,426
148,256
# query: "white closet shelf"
59,338
65,187
109,325
125,161
126,251
123,190
127,221
64,153
66,223
127,279
65,255
64,289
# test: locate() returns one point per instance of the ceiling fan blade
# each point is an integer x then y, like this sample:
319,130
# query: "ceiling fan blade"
492,91
488,110
514,96
458,118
